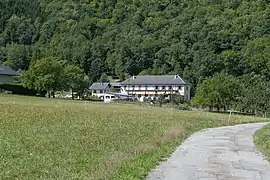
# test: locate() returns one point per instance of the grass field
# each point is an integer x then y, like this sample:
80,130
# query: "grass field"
61,139
262,141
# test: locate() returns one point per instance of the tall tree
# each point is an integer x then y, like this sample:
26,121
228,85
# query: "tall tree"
74,79
255,96
18,56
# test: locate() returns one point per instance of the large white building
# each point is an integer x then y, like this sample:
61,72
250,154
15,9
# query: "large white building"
153,86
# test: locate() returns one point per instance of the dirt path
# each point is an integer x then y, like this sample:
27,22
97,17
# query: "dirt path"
225,153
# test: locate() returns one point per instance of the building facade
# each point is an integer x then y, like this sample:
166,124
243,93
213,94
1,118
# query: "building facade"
98,89
143,87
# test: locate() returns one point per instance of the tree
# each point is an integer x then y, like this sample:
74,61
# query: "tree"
257,52
177,99
2,54
255,96
46,74
104,78
233,62
18,56
219,91
74,79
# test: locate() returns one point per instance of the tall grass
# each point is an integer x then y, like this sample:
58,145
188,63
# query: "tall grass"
262,141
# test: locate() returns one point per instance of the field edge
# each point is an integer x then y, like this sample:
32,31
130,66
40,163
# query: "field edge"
261,140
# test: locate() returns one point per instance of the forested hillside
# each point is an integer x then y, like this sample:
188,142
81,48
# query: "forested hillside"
192,38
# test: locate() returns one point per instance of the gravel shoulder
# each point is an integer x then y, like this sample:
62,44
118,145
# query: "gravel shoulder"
216,154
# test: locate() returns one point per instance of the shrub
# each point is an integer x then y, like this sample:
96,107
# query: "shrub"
20,90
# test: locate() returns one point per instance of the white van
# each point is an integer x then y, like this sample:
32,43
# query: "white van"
106,97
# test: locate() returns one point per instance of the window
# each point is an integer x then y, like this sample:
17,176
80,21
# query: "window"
170,87
107,97
95,91
125,87
156,87
163,87
101,91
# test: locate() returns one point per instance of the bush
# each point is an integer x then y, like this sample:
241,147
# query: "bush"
177,99
92,98
19,89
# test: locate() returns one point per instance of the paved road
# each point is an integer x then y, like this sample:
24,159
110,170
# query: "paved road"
225,153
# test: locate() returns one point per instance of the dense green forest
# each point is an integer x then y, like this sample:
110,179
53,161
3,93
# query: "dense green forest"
193,38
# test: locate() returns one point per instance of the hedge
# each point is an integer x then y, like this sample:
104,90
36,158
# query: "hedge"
19,89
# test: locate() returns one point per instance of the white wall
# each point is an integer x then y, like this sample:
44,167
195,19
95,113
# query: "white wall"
183,90
151,88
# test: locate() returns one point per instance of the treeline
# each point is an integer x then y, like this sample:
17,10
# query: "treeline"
247,94
193,38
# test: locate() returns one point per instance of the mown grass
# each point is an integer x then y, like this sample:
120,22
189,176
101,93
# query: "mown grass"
61,139
262,141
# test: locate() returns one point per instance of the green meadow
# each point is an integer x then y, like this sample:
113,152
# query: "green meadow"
62,139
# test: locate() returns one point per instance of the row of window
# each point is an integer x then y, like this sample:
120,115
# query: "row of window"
100,91
133,87
157,87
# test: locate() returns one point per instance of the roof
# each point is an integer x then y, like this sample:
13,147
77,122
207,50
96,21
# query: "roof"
155,80
5,70
99,86
115,84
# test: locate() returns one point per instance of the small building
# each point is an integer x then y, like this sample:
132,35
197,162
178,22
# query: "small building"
143,87
8,75
105,91
98,89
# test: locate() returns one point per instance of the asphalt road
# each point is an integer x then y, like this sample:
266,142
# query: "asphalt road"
225,153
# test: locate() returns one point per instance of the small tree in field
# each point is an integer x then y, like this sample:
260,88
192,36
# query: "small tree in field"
219,91
45,75
50,74
74,79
